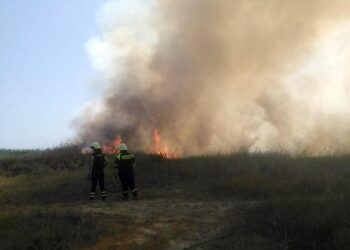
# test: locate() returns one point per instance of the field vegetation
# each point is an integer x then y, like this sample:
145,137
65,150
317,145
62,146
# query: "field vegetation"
277,201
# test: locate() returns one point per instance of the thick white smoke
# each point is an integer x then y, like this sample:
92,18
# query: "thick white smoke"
222,75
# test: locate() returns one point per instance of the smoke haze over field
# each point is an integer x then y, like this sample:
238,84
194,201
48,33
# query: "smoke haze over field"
224,74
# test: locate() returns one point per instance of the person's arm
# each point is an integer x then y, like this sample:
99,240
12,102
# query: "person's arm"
105,161
116,163
133,161
90,167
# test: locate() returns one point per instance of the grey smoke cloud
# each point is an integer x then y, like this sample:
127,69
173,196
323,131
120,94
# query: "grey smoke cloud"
224,74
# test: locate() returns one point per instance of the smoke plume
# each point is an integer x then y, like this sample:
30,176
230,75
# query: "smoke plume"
222,75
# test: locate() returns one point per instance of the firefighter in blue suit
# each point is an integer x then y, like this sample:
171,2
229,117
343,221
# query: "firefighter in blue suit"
125,163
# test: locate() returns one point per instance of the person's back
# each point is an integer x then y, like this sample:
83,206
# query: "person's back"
97,171
99,161
125,162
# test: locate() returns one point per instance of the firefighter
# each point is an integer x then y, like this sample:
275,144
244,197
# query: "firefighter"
96,173
125,163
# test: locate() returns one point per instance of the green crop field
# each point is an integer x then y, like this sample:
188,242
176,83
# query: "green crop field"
234,201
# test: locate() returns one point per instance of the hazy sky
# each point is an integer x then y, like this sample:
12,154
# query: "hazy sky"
44,69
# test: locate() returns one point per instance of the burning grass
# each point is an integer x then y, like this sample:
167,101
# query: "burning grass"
158,148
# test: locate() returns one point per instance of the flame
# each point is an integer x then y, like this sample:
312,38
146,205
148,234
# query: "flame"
158,148
112,148
155,146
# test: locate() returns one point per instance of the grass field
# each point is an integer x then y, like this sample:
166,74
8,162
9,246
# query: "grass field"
235,201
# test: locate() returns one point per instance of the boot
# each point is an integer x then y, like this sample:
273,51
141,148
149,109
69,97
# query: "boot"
92,196
125,197
134,195
103,195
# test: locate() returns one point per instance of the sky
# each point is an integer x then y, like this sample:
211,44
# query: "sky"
44,69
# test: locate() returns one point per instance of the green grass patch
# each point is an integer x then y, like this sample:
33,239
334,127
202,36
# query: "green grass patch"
54,186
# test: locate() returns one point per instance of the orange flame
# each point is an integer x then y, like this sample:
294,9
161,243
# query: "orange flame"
112,148
158,148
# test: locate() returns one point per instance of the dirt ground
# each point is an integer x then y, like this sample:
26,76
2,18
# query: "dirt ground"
158,223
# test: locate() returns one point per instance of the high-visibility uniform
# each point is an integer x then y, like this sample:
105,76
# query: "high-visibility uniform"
97,174
125,162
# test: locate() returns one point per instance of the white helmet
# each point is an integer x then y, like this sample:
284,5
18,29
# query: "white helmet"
122,146
95,145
